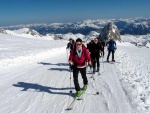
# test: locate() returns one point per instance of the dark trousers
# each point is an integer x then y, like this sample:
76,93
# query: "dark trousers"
95,60
75,77
103,52
109,51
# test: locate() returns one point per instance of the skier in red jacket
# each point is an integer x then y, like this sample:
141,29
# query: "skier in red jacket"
77,60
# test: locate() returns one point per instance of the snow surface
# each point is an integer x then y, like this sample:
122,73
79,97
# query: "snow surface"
15,50
35,78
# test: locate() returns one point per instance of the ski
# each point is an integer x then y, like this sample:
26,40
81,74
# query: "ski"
99,73
96,73
111,62
92,77
80,98
70,107
72,103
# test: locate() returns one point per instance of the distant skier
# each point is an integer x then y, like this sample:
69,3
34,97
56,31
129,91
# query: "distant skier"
70,45
77,60
111,46
102,44
95,54
89,45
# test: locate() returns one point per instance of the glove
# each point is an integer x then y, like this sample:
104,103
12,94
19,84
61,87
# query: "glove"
90,65
70,63
71,66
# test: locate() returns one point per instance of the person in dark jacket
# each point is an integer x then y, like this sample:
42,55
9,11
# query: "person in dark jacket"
102,44
111,46
70,45
95,54
89,45
77,59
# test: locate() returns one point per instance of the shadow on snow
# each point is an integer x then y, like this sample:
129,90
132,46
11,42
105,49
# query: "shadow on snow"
59,69
58,64
40,88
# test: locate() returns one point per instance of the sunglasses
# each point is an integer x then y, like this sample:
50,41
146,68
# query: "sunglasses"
78,44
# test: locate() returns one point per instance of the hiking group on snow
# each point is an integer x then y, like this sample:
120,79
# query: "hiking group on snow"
81,56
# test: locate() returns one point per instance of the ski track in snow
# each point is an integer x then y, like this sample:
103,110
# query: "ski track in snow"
36,79
43,87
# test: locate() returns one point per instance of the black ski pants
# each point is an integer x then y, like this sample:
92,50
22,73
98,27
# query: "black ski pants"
110,51
103,52
75,77
95,60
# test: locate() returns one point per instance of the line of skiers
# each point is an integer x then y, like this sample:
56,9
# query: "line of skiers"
80,55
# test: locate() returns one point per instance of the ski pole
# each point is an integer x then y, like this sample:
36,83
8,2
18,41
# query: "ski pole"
70,82
94,83
70,72
103,62
67,55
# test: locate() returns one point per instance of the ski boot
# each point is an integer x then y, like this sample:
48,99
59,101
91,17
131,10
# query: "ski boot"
113,60
98,71
94,70
84,87
78,93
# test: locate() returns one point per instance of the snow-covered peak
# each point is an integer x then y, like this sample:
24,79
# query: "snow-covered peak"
94,33
27,31
110,31
24,32
21,31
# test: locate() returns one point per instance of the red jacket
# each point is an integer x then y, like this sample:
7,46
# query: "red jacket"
82,60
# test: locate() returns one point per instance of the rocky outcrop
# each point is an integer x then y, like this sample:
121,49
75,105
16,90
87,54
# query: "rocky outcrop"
3,31
110,31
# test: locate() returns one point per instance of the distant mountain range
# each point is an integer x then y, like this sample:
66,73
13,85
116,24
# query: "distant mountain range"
136,26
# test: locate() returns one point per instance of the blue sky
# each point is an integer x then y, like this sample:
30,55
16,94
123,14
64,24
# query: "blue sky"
14,12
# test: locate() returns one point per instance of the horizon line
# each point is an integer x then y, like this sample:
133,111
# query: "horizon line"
48,23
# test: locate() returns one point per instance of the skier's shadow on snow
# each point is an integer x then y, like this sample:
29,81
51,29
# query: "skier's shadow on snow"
59,69
111,62
58,64
40,88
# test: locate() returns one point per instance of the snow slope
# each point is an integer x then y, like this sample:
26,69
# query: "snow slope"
15,50
135,74
24,32
40,81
